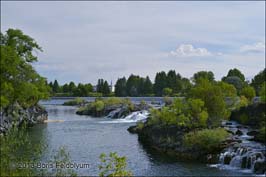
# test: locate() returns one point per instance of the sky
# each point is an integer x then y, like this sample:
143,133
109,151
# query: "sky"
85,41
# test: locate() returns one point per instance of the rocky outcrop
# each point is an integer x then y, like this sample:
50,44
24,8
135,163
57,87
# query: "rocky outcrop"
15,115
252,115
113,111
169,140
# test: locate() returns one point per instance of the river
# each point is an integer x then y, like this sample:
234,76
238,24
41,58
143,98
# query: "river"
85,138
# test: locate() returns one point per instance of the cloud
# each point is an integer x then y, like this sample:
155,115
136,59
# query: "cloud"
187,50
257,47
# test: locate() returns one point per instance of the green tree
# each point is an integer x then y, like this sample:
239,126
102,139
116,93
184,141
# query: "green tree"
263,92
106,90
133,85
56,87
160,83
72,87
203,75
248,92
167,92
235,81
258,80
213,97
120,87
228,89
19,81
237,73
113,165
148,87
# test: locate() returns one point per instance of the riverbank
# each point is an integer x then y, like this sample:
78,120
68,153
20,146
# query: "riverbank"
16,115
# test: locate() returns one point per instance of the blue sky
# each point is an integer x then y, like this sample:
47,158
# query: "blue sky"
84,41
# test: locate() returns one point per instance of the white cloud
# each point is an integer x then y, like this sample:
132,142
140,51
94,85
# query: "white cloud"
257,47
187,50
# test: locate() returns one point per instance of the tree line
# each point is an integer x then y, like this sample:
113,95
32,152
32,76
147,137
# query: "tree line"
165,84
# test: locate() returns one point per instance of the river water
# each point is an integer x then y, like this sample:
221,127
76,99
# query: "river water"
85,138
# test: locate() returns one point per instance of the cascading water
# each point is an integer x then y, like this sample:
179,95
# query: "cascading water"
243,154
133,117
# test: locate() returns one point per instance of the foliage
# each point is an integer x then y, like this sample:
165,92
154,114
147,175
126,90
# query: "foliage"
248,92
140,125
262,134
167,92
103,87
258,80
183,113
263,92
206,140
228,89
76,101
208,75
113,165
213,97
235,81
120,87
62,157
19,81
17,149
237,73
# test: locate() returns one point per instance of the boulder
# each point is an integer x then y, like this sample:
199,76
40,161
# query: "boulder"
239,132
260,167
253,133
227,159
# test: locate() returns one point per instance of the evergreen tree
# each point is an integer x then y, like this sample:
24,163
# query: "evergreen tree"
106,90
160,83
56,87
120,87
148,87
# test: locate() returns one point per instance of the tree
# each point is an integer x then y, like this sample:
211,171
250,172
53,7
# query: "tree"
19,80
228,89
72,87
263,92
258,80
167,92
100,85
120,87
235,81
113,165
132,85
213,97
248,92
160,83
237,73
106,90
148,87
56,87
203,75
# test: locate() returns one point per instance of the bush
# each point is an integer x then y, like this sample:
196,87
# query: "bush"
262,134
140,125
248,92
74,102
207,140
113,165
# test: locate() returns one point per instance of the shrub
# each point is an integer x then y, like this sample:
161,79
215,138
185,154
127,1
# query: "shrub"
113,165
248,92
263,92
76,101
262,134
140,125
206,140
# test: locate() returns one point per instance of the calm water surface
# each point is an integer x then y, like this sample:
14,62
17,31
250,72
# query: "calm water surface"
86,138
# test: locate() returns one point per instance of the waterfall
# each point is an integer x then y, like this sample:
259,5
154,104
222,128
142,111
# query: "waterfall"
244,155
133,117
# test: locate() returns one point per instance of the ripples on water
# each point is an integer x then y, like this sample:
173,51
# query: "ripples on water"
86,138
